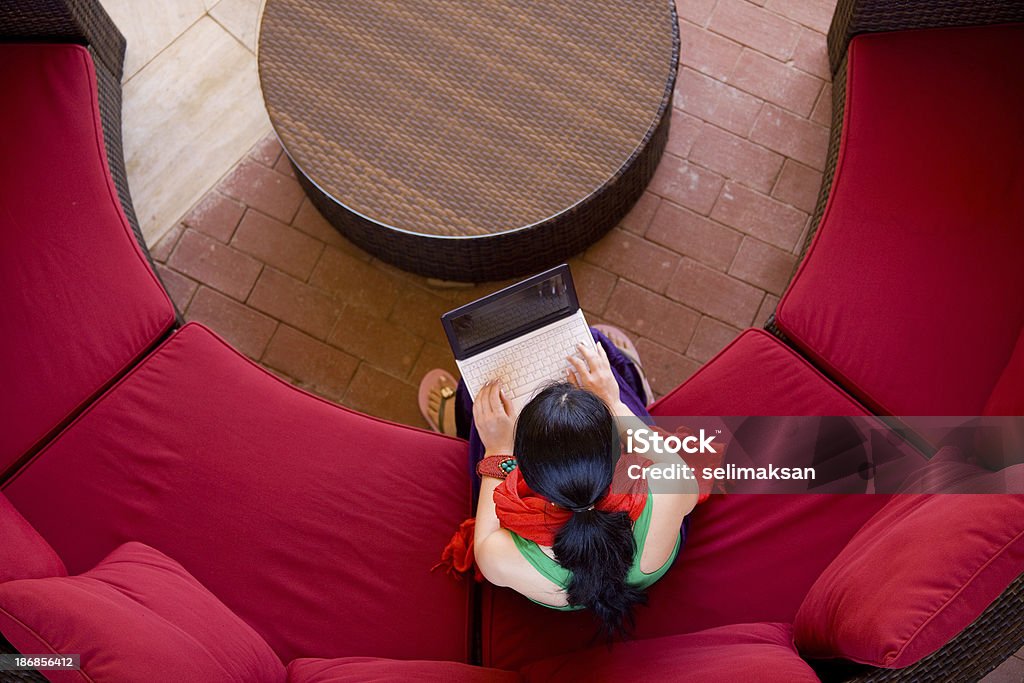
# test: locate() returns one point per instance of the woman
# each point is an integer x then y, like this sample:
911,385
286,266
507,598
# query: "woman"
558,530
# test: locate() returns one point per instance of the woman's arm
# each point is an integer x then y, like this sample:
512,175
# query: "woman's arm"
592,371
492,414
486,532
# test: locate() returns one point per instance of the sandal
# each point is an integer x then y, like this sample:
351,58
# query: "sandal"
624,344
431,381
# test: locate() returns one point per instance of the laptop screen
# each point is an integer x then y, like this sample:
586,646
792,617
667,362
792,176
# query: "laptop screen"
511,312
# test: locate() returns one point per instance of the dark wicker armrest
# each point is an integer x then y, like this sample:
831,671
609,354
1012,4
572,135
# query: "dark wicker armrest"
65,21
985,644
25,676
868,16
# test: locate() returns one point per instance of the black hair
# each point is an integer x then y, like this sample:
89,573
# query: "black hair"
567,445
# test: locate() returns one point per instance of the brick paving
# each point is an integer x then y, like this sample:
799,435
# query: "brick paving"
705,253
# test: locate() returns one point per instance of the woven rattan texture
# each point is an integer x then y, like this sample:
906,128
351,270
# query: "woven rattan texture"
506,255
29,676
986,643
65,21
868,16
835,139
465,119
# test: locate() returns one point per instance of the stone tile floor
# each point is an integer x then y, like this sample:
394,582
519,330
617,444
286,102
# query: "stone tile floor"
191,100
706,252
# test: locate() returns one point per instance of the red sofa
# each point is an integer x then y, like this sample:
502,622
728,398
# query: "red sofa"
171,511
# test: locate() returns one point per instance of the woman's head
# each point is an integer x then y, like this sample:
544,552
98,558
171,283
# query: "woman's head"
567,444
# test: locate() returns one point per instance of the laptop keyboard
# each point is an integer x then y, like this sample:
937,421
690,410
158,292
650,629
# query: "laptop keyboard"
520,367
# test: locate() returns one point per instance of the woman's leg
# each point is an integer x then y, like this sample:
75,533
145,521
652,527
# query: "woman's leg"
631,387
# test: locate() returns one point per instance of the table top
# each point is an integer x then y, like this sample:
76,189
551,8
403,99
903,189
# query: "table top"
461,118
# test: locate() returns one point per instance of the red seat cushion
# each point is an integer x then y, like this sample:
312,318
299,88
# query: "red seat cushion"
738,652
137,616
914,273
919,571
316,524
757,375
773,545
80,304
23,553
362,669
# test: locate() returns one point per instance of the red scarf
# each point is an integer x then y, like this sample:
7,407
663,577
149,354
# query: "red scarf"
525,513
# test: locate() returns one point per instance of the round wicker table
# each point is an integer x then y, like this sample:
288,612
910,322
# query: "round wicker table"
470,140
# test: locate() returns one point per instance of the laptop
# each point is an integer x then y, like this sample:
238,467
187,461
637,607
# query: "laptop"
520,335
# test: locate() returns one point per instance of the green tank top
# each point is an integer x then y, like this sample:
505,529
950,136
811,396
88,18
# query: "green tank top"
560,576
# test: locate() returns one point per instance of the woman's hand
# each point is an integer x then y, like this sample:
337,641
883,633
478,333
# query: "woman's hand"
592,371
495,420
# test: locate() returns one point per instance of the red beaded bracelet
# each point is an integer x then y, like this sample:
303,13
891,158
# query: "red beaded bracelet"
497,466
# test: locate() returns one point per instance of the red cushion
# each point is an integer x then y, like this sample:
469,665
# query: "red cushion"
739,652
137,616
914,273
365,669
919,571
80,304
774,546
316,524
757,375
23,552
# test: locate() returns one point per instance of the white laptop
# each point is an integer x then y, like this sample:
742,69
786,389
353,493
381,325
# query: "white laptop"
520,335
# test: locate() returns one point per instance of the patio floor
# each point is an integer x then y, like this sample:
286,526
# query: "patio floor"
705,253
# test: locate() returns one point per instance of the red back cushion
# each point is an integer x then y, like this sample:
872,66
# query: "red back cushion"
738,652
137,616
923,568
23,552
914,273
80,304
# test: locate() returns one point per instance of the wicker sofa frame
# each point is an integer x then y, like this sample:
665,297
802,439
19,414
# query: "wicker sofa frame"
999,631
993,637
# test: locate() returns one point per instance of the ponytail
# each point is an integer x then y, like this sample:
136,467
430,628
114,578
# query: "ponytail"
599,548
567,445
